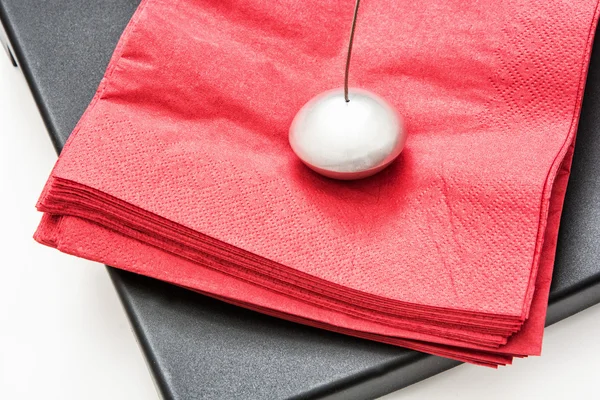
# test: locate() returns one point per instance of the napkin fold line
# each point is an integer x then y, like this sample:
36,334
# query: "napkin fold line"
558,161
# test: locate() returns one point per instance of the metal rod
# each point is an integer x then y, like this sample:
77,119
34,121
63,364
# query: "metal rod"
350,51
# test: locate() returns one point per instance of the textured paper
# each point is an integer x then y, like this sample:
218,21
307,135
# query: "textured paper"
184,148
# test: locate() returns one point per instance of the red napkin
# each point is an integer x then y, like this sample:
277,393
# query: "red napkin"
180,168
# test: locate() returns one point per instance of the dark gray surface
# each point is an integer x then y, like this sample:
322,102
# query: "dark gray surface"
197,347
576,277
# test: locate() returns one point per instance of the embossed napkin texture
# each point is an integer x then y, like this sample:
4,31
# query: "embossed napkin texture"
180,168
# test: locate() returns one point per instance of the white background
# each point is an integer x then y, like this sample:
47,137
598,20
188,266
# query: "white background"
64,335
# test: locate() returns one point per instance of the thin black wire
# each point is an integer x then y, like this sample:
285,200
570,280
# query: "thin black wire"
350,51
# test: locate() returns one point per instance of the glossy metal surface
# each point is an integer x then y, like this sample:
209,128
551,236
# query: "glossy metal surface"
347,140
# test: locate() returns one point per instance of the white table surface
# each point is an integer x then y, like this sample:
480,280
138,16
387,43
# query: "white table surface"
64,334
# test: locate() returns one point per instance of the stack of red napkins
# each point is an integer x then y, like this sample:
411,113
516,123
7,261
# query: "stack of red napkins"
180,168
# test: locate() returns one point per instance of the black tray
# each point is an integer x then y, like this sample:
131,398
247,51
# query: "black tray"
197,347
